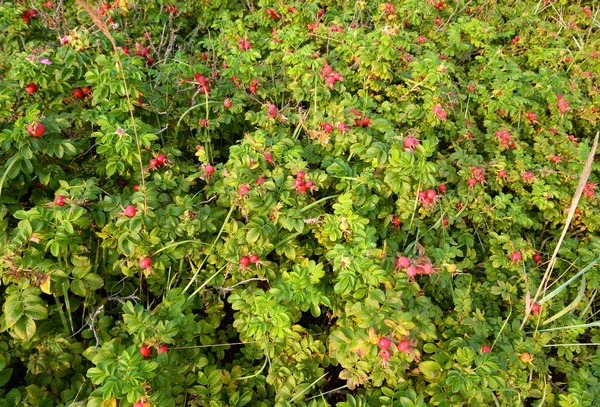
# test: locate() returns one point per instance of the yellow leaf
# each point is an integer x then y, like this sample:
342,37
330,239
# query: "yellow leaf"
111,402
45,284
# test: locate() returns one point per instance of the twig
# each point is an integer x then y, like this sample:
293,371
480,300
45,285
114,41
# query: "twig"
92,319
230,288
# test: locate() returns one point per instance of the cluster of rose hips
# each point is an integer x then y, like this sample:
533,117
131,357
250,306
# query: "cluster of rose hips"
203,81
532,117
562,104
253,86
439,5
505,138
28,15
361,121
80,93
145,350
477,175
301,184
429,197
384,345
415,266
244,44
272,13
140,51
331,76
158,161
245,261
527,176
437,109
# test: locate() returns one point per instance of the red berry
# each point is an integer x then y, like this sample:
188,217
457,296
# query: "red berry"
396,220
260,181
472,181
139,403
31,88
227,103
130,211
427,268
268,157
252,89
502,173
254,258
145,351
244,261
154,162
445,221
162,159
59,200
309,184
209,169
302,188
36,129
300,174
411,143
535,308
537,257
243,189
328,127
555,158
431,194
402,262
298,183
136,187
485,349
411,271
145,262
203,122
515,257
384,343
442,188
86,91
403,346
78,93
163,348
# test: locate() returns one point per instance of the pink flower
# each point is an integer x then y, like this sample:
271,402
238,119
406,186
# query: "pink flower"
45,61
65,40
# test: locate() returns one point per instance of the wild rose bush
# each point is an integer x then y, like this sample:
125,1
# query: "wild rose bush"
272,204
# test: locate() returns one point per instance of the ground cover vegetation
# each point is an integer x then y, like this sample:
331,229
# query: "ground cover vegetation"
271,203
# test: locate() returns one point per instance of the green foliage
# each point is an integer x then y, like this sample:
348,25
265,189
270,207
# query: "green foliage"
278,163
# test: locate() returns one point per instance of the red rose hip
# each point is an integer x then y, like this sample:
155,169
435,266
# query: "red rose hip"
145,351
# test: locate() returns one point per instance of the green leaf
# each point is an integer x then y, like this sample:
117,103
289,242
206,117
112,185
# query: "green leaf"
24,329
5,376
430,369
